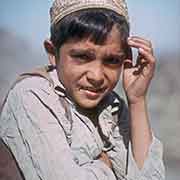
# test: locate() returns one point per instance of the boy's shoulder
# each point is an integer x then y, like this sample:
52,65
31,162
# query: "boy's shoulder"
29,84
39,78
25,85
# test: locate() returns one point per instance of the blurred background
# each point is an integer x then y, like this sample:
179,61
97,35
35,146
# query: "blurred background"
25,24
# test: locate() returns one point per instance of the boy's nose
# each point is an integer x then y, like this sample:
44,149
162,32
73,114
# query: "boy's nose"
95,76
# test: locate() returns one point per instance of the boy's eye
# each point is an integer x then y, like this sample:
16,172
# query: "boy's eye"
81,56
113,61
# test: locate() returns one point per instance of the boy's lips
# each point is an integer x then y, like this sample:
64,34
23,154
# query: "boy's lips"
95,90
92,93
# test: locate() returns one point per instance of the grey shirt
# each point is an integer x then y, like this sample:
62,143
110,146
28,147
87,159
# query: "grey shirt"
34,125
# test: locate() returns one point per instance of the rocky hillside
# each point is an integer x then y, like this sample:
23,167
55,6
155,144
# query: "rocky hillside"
16,56
165,110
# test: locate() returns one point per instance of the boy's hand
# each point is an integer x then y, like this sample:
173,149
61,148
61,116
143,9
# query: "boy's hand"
104,157
136,79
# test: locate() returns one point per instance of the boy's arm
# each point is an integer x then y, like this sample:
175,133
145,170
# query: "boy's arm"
124,163
141,135
136,80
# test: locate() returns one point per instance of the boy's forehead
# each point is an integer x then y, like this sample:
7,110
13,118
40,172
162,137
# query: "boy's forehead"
112,43
62,8
112,36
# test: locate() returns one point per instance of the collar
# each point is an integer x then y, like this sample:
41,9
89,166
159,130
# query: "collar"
59,88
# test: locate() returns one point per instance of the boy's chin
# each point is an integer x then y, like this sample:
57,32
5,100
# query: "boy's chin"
88,104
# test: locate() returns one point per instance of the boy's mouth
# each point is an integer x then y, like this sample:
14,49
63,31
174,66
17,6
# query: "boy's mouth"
92,93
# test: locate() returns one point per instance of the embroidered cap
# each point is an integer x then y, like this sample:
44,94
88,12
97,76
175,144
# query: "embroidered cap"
62,8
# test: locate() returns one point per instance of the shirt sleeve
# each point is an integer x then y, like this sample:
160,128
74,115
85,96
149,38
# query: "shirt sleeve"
38,142
153,168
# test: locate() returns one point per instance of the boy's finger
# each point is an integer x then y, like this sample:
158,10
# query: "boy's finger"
140,40
140,45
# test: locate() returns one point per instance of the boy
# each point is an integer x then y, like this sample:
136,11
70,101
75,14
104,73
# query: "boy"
65,122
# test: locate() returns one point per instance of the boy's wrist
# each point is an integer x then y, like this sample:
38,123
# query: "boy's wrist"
104,157
137,101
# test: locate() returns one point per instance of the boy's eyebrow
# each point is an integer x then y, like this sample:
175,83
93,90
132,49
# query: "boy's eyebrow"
91,52
75,50
88,52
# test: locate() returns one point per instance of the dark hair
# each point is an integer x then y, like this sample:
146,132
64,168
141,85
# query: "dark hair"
90,23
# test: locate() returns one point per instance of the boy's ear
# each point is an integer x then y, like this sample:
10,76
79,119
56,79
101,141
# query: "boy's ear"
50,49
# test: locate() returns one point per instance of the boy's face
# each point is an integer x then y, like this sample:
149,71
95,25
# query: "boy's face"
90,71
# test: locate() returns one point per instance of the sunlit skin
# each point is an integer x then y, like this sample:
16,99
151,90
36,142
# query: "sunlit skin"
83,65
90,71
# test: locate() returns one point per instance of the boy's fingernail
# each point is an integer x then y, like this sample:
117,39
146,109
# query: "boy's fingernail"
141,49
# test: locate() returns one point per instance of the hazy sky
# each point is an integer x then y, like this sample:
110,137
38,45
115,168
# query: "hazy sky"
157,20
